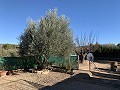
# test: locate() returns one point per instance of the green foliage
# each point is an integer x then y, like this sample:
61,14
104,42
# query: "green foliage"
27,39
107,50
8,50
51,35
8,46
118,45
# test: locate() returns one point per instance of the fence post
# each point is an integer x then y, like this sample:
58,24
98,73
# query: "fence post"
78,63
89,65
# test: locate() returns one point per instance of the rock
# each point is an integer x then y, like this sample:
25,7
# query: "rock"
43,72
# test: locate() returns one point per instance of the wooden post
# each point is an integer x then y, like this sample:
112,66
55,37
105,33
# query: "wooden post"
89,65
78,63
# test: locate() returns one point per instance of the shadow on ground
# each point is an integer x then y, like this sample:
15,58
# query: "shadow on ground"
36,85
111,76
83,81
104,69
30,84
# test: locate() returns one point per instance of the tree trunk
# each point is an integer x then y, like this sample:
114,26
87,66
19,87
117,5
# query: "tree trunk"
45,62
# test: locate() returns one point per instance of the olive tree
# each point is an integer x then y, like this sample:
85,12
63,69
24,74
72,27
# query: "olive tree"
27,39
51,35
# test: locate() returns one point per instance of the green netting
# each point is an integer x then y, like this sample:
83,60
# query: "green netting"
74,62
58,61
13,63
1,63
61,62
7,63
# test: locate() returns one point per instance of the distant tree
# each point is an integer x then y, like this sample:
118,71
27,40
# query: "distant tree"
86,43
107,50
8,46
8,50
118,45
50,36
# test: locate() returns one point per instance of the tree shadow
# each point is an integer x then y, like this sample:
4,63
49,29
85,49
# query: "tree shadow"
36,85
110,75
61,70
83,81
105,70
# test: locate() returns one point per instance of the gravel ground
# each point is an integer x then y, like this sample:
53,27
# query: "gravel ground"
81,80
30,81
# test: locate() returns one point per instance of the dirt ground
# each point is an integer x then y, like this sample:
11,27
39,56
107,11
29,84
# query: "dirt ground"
98,79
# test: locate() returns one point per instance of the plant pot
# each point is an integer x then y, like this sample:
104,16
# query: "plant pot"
3,73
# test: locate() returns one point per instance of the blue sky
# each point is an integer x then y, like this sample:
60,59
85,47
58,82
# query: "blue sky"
102,17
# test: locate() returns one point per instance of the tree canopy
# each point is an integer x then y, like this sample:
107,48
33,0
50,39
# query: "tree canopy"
51,35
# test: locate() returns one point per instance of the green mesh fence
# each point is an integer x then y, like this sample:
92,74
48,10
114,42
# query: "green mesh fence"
70,62
57,61
74,62
13,63
10,63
